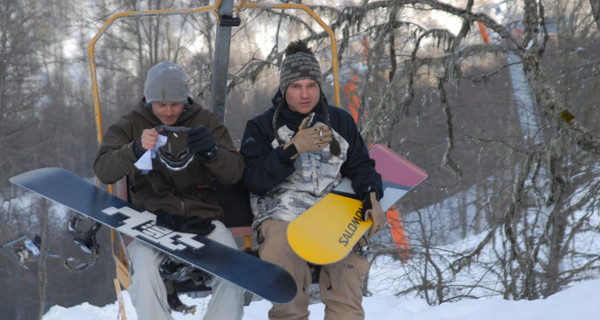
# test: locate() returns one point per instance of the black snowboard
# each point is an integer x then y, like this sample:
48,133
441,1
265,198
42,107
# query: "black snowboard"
249,272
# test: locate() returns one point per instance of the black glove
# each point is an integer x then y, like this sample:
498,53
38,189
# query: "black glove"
197,225
167,220
202,142
138,150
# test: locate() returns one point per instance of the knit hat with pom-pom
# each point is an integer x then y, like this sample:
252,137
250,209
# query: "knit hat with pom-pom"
299,64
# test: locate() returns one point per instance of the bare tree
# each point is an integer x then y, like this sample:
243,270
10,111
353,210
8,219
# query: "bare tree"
518,154
512,169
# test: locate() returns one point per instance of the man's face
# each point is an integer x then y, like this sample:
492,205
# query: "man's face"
167,112
303,95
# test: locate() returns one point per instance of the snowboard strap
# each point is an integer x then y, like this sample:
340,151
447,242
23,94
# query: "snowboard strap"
86,240
173,270
175,162
361,248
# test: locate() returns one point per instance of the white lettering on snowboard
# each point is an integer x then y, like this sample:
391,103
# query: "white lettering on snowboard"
143,225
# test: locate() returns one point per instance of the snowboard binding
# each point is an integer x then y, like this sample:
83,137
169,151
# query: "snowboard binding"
86,240
179,276
174,302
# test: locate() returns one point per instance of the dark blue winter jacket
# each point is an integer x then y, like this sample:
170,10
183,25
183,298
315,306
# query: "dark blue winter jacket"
283,188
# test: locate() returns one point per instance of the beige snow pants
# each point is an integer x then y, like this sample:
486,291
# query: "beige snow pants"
149,295
340,283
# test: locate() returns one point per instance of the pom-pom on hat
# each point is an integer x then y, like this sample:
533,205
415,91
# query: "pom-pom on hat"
166,81
299,64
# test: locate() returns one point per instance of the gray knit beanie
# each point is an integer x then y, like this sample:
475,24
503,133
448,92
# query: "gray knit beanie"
166,81
299,64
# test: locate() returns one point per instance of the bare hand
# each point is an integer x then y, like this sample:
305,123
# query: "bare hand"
149,138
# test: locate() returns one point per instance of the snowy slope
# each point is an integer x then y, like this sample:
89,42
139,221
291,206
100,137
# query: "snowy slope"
578,302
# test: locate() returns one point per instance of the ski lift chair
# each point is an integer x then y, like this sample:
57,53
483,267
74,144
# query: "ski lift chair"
237,222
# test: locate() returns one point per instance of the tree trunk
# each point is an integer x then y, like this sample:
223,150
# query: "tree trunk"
42,276
595,4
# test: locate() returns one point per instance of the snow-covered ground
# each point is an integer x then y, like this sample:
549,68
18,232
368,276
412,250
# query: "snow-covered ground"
577,302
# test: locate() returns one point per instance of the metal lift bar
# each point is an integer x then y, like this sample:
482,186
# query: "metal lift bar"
225,31
334,54
91,48
221,58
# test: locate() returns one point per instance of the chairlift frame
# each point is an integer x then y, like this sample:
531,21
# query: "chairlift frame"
220,9
214,9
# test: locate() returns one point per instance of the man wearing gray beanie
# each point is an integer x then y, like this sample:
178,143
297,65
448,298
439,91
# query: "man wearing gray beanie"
295,153
180,193
166,81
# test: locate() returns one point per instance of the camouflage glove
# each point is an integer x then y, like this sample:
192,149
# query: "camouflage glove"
310,139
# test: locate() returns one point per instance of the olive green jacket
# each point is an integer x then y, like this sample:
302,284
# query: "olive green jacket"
187,192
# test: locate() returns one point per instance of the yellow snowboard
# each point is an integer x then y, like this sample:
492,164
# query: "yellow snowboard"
327,231
333,242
